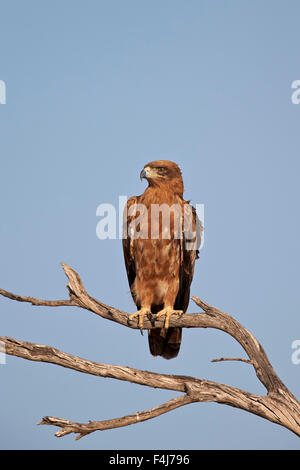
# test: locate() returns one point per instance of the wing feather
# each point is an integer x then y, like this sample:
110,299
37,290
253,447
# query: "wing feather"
189,253
127,243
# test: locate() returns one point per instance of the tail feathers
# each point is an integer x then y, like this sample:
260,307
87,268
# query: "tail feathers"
165,343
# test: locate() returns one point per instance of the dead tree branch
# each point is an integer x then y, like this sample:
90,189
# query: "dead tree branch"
241,359
82,429
278,405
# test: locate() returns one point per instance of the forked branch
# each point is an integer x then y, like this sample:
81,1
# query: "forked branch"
278,405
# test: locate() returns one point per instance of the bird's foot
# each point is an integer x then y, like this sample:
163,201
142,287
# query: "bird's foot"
168,312
140,314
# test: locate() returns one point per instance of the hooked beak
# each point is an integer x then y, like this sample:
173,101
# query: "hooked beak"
143,174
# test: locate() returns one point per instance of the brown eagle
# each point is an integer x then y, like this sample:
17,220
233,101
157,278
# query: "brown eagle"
160,243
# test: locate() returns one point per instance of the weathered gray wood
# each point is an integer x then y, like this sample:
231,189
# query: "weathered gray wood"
278,405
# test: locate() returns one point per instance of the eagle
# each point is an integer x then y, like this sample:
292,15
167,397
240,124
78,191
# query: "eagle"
161,239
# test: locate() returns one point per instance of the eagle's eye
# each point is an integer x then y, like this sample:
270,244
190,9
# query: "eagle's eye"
161,169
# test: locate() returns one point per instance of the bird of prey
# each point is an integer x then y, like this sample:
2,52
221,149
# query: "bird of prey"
160,243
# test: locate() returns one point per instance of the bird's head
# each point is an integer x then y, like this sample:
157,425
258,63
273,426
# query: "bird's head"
163,172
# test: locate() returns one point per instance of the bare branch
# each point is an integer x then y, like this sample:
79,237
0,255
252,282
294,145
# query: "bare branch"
68,427
39,302
232,359
212,318
278,406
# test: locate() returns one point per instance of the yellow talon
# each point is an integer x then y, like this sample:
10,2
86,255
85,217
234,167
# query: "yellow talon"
140,314
168,312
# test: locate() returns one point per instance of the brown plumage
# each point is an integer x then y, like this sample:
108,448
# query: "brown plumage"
160,254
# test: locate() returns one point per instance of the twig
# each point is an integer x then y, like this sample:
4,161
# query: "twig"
232,359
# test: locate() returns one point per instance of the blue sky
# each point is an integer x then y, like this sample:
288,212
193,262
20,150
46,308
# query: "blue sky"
95,90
